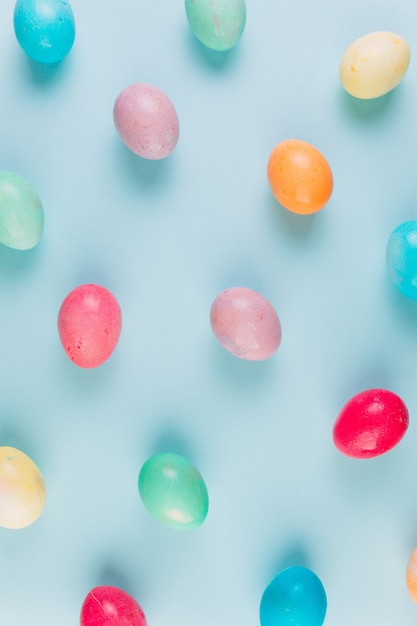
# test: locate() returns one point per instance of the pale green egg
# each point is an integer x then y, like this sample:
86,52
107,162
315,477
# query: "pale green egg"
218,24
173,491
21,213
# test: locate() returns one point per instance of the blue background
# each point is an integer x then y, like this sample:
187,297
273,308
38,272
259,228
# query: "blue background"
166,237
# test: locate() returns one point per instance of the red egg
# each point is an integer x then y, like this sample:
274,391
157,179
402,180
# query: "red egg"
111,606
89,324
371,423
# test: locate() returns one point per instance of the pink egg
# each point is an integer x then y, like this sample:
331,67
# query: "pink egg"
245,324
110,606
89,324
146,121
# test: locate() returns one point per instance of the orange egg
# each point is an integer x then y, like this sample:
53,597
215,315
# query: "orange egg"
299,176
411,575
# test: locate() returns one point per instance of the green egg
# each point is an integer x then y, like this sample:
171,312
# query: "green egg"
173,491
21,213
218,24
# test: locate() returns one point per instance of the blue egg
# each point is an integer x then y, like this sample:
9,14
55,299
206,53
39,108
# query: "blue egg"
45,29
401,257
295,597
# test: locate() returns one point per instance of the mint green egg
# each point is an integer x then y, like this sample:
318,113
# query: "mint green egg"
218,24
21,213
173,491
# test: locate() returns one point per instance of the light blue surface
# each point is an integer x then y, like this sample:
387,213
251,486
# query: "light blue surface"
166,238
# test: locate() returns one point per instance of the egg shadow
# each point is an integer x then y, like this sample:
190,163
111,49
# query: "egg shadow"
293,554
23,437
301,227
170,438
110,574
44,74
16,264
215,61
152,177
401,306
369,110
240,375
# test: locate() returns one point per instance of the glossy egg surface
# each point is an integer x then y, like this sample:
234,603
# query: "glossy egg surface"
22,489
295,597
245,324
299,176
370,424
401,258
173,491
111,606
21,213
45,29
217,24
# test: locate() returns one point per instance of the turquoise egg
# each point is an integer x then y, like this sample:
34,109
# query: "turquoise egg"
295,597
218,24
401,258
173,491
21,213
44,29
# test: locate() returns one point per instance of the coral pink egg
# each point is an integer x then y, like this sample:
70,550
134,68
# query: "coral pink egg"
411,575
89,324
245,324
371,423
111,606
146,121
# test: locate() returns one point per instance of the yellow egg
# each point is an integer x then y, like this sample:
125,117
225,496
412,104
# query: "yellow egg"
22,489
374,64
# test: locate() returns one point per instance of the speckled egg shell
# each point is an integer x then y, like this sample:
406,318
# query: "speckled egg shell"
299,176
44,30
217,24
110,606
146,121
22,489
374,64
245,324
371,423
89,325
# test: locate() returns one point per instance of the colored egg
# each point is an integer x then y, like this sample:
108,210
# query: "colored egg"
299,176
173,491
111,606
370,424
89,325
411,575
21,213
217,24
22,489
295,597
401,258
245,324
146,121
374,64
44,30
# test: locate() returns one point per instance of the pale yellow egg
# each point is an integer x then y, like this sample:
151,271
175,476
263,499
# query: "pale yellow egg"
22,489
374,64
